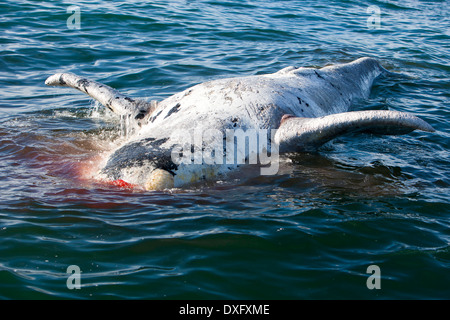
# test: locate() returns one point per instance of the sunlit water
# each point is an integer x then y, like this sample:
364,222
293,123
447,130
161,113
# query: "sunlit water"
309,232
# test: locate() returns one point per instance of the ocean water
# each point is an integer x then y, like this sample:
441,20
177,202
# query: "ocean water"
310,232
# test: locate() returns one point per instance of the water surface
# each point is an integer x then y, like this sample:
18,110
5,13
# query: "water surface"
309,232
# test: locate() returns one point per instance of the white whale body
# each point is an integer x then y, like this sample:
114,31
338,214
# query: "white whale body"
192,135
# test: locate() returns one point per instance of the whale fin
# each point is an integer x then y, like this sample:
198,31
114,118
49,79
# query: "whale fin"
307,134
107,96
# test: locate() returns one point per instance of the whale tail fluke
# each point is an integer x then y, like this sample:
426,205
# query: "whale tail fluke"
107,96
307,134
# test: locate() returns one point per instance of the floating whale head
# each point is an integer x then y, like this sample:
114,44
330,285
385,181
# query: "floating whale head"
142,163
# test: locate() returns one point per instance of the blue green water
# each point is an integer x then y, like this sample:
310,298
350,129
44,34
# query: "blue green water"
309,232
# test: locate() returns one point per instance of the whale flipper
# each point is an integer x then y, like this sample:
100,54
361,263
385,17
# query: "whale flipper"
307,134
107,96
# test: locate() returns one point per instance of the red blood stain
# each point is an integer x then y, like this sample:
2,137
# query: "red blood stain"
122,184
